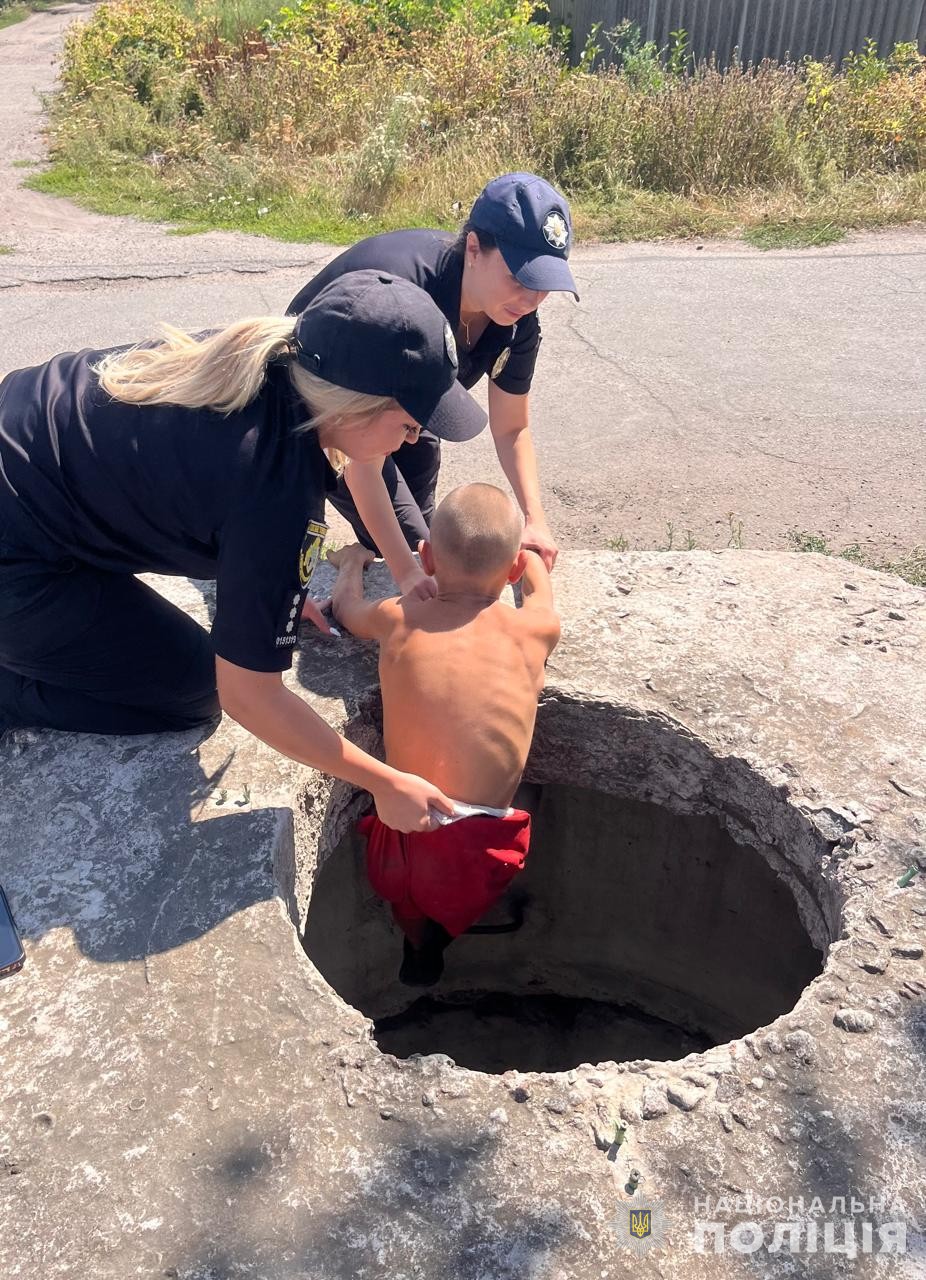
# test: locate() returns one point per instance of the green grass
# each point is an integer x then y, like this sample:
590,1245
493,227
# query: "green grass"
815,543
793,235
911,565
140,196
135,190
230,19
314,213
13,13
678,539
344,128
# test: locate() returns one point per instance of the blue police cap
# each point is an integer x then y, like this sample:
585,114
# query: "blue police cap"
532,227
373,332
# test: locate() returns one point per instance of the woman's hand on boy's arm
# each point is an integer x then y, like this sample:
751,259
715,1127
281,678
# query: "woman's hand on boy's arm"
261,703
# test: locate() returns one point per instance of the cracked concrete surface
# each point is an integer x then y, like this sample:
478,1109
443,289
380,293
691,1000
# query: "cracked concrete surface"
186,1097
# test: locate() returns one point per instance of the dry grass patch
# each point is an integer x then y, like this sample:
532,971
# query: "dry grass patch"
334,118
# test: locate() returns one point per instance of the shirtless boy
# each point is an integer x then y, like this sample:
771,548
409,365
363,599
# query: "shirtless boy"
460,675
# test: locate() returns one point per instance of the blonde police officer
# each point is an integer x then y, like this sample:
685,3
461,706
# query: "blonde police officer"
206,457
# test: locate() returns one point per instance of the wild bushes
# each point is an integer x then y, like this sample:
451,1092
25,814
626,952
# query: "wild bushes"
384,110
127,45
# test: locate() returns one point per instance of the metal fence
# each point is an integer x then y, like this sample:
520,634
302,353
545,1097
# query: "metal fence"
758,29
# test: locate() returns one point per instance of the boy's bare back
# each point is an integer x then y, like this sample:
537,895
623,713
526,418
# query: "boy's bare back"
460,672
460,685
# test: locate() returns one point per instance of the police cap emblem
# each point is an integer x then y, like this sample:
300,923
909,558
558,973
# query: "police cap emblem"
555,231
451,346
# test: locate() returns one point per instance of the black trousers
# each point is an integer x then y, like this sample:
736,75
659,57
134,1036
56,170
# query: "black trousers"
97,652
411,481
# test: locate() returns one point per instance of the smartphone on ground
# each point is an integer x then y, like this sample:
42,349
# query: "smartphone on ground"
12,955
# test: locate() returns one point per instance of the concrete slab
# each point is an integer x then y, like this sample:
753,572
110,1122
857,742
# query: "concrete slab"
185,1096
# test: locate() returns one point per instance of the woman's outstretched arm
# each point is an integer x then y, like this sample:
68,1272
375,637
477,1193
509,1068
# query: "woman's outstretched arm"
261,703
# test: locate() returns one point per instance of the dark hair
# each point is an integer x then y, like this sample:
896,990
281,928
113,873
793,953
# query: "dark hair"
486,239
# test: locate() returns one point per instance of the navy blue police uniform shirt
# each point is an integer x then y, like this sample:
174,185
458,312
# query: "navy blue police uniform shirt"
239,498
433,260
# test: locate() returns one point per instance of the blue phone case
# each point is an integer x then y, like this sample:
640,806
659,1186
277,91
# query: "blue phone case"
12,955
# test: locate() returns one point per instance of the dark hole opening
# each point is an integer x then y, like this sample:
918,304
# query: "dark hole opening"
646,934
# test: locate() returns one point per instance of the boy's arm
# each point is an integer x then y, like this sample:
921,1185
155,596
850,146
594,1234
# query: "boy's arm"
537,600
366,619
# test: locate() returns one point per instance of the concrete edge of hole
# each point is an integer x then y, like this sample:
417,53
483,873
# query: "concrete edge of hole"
656,759
190,1098
597,748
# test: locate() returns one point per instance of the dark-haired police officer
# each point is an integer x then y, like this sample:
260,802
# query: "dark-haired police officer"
205,458
488,281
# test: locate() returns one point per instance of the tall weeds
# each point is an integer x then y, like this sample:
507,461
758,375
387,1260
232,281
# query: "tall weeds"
399,109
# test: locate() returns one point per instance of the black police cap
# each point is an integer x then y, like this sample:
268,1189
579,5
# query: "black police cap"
373,332
532,227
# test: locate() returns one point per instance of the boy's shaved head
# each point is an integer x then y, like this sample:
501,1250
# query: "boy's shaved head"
476,533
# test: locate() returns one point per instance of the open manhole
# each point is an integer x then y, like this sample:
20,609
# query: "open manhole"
656,923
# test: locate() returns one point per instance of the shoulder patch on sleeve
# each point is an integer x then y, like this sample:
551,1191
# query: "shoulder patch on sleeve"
499,367
294,598
311,550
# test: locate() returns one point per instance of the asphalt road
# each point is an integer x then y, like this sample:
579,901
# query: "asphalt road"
692,381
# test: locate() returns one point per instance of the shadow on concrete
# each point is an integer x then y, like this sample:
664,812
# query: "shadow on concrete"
421,1211
320,663
829,1163
127,841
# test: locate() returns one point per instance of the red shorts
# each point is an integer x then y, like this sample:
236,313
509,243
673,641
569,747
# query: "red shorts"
451,875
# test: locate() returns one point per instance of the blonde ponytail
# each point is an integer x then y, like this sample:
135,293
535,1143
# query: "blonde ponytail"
223,371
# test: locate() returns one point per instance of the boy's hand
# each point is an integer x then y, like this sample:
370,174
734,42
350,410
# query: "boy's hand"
312,611
344,558
353,554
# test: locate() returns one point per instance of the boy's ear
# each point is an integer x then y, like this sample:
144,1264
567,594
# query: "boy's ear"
516,572
427,557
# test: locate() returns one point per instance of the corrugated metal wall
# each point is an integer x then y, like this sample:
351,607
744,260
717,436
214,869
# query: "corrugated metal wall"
757,28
